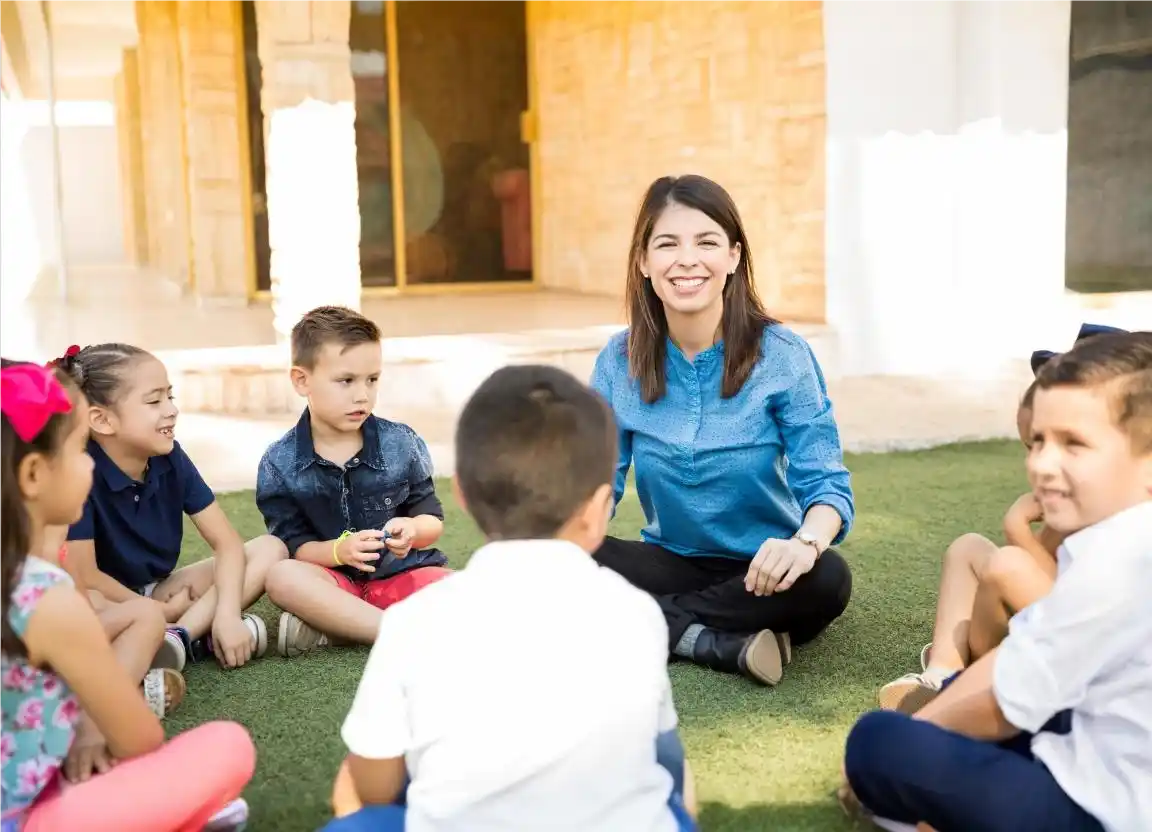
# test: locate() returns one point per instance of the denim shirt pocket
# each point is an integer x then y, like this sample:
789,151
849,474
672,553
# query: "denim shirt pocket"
383,503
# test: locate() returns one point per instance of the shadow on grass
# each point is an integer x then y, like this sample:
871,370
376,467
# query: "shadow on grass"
800,817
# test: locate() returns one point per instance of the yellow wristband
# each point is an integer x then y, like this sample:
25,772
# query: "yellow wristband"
336,545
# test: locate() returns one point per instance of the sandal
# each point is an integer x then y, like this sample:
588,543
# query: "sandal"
164,690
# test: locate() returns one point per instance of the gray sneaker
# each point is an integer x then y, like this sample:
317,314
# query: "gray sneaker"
297,638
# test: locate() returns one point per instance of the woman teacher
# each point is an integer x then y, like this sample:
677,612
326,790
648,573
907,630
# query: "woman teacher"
724,415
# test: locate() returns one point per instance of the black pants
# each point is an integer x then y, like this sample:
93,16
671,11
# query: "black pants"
710,591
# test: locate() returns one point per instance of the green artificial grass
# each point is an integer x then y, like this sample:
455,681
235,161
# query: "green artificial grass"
764,759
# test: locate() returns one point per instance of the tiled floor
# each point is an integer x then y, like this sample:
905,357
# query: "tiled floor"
122,305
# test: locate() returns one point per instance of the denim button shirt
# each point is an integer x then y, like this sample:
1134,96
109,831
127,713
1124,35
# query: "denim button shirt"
305,498
718,477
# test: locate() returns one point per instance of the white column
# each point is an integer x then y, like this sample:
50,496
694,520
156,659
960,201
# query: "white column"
946,182
309,107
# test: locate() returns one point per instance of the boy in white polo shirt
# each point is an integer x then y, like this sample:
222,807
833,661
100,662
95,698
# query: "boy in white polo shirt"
1053,730
530,690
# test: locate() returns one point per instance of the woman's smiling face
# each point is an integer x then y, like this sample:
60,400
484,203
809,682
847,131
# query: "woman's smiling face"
688,260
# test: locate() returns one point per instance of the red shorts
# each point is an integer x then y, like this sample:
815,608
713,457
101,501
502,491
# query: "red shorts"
388,591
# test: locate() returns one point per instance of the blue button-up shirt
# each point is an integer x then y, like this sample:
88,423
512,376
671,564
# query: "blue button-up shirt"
305,497
720,476
137,527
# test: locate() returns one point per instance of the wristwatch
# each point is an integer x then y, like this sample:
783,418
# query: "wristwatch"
810,539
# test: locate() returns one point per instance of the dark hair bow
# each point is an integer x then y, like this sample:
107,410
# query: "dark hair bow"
29,396
1042,357
71,352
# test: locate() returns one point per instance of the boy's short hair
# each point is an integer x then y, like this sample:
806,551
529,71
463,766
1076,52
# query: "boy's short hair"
1120,362
329,325
1029,397
532,445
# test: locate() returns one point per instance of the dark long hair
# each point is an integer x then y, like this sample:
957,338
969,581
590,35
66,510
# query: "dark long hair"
744,316
15,527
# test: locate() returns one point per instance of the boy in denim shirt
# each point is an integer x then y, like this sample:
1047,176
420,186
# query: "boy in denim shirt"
350,494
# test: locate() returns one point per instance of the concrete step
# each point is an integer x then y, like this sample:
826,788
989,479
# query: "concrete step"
428,373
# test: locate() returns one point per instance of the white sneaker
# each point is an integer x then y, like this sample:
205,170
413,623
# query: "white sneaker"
171,655
259,632
232,818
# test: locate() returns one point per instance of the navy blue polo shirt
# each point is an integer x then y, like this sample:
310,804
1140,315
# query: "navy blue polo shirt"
137,527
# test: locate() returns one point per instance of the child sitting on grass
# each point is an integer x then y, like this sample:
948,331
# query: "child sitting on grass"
1052,730
982,584
350,494
66,698
127,543
566,720
136,630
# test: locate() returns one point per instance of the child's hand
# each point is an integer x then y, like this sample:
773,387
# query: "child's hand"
88,754
231,640
178,604
1023,513
361,550
401,535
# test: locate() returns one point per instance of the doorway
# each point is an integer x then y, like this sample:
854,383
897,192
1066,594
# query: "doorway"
444,171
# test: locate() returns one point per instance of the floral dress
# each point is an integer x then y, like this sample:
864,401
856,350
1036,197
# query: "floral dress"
39,711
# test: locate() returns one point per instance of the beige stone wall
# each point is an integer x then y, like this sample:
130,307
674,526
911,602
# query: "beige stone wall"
629,91
162,140
210,44
131,149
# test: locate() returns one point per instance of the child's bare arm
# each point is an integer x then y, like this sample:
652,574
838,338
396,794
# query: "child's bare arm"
1018,523
377,782
82,562
65,634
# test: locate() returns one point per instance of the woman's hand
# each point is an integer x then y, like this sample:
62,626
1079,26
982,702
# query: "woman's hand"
778,564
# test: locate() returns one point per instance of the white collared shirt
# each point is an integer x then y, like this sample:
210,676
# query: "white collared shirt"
1087,647
525,693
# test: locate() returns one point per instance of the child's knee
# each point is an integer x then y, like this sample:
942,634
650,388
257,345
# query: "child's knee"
871,744
970,549
147,614
288,579
1007,566
265,549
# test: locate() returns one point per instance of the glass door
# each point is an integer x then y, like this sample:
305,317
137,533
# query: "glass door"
463,86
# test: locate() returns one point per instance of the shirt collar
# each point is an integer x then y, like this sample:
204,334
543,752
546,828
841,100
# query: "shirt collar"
1126,531
518,555
117,480
370,452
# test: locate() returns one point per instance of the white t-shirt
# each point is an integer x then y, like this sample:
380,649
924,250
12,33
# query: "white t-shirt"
525,693
1087,647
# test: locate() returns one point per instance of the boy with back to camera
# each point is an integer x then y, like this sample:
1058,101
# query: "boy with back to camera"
567,722
350,494
1052,730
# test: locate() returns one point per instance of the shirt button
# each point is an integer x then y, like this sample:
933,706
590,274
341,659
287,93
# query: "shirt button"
355,460
345,492
136,498
387,501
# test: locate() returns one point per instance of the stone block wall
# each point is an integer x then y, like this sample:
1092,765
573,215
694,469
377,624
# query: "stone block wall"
629,91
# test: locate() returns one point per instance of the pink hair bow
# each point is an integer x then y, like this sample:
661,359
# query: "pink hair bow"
29,396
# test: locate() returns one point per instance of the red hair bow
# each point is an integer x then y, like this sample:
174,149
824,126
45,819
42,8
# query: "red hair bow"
71,352
29,397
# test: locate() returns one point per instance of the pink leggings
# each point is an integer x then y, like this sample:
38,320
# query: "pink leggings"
176,788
